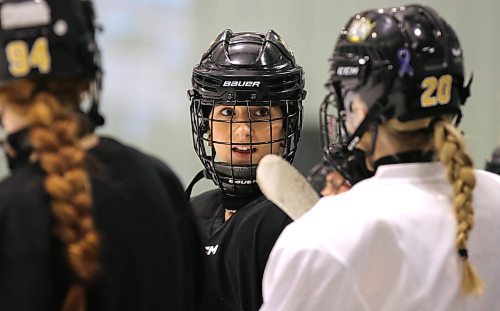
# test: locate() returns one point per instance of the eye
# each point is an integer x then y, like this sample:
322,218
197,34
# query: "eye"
227,112
262,112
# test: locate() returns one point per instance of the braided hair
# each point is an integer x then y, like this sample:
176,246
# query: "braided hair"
448,145
54,133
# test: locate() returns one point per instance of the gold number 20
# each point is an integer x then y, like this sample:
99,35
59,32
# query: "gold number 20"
21,60
436,91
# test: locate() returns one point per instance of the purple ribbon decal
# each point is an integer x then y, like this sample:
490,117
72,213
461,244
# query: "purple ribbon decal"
404,62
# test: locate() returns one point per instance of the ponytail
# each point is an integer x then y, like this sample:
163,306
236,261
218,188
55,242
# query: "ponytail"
54,133
449,147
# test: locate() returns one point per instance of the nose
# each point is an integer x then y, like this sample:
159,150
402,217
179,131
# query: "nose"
241,123
242,129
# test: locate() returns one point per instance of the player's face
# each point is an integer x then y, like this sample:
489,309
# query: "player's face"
242,135
356,110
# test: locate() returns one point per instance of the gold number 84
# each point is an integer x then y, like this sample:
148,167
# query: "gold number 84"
21,60
436,91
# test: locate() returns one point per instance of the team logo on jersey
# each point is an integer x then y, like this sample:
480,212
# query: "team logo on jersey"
211,249
359,29
242,83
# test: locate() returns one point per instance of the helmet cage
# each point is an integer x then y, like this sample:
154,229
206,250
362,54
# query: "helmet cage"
240,179
335,141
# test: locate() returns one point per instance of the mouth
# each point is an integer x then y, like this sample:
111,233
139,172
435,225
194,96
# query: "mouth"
244,149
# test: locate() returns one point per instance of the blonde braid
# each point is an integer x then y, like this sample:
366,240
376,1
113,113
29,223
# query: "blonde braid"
449,146
54,137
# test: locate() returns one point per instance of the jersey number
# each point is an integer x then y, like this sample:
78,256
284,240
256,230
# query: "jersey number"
22,60
436,91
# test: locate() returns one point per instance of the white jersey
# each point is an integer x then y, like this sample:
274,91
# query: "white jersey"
387,244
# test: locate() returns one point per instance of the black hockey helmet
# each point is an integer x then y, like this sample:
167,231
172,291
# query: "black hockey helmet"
50,39
245,69
405,63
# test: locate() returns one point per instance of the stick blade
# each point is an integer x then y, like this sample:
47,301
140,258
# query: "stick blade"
285,186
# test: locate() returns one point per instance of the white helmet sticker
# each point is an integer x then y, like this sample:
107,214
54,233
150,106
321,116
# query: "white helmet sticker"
24,14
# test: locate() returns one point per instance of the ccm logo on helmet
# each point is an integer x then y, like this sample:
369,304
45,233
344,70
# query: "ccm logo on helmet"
242,83
347,71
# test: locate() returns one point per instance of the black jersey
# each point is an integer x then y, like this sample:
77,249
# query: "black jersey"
150,250
236,250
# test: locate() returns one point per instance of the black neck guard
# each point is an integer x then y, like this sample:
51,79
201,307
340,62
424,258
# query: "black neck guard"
405,157
237,202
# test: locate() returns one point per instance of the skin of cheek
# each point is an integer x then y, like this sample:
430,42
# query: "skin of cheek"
354,119
261,134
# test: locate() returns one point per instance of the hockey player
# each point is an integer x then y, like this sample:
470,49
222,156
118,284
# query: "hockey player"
86,223
246,102
420,234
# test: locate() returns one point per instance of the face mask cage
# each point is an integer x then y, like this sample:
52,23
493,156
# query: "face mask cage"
334,113
332,122
335,138
230,138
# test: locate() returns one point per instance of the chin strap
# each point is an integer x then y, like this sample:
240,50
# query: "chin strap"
373,114
199,176
94,115
374,136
